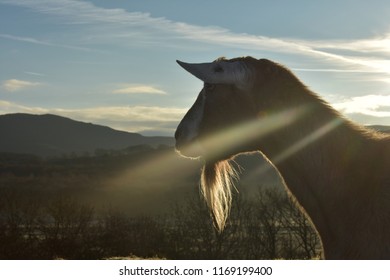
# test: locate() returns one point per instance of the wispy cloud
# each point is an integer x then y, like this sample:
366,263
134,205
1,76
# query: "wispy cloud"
138,89
17,85
83,12
330,70
368,55
376,45
42,42
34,73
371,105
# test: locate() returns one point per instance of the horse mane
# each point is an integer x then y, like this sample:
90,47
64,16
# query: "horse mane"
217,182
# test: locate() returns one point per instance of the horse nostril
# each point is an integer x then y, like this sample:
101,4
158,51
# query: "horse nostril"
180,139
177,134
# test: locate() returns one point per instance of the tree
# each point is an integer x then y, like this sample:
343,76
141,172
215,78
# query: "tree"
65,228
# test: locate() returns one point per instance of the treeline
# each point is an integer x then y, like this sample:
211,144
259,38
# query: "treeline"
101,160
137,180
267,227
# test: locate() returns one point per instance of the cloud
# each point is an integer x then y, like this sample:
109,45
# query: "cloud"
82,12
17,85
161,120
368,55
34,73
371,105
41,42
139,89
330,70
130,113
378,44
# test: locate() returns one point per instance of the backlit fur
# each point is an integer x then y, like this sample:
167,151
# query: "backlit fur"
337,171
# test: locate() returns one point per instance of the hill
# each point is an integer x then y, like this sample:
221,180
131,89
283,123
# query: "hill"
382,128
52,135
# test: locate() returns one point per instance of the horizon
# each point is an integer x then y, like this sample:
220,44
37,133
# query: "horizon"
80,121
112,63
119,130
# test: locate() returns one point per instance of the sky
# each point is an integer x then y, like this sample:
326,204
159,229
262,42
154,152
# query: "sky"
112,62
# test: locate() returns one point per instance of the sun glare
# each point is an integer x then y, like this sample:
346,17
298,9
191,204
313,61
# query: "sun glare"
307,140
166,166
169,165
220,143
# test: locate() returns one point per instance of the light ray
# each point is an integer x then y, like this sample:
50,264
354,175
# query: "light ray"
221,143
162,166
169,166
224,141
307,140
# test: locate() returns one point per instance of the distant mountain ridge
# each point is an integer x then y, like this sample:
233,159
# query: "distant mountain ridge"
382,128
52,135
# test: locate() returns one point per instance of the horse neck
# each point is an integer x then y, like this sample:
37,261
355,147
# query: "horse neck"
317,156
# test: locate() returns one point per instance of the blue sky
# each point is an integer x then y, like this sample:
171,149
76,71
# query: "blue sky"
113,62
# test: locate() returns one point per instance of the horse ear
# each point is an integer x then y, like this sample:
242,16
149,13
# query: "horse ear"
219,72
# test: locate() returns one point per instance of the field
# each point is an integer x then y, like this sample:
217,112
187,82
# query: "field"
135,202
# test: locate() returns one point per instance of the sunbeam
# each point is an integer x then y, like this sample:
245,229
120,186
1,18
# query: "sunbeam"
226,140
307,140
149,172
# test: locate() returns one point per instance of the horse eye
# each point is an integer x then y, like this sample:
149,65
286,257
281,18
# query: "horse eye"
218,69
